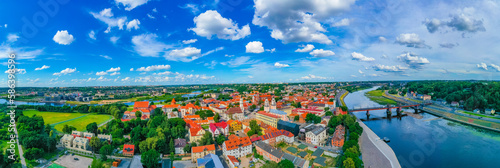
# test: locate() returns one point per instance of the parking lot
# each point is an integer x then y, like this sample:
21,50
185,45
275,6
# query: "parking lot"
69,161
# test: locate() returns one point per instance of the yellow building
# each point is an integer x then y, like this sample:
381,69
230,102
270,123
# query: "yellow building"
268,118
195,134
234,125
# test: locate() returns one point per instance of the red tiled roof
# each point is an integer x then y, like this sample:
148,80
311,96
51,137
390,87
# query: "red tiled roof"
268,114
237,142
198,149
143,104
128,149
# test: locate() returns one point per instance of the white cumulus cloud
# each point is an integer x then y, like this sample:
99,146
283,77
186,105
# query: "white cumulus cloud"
305,48
63,37
361,57
212,23
254,47
321,53
277,64
146,45
189,41
154,68
65,71
42,68
186,54
134,24
131,4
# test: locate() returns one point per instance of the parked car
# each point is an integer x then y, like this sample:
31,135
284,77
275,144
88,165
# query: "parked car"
315,146
76,159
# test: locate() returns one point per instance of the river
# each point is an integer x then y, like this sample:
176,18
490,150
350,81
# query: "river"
431,141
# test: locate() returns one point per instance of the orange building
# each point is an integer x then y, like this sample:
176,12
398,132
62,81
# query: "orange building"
338,136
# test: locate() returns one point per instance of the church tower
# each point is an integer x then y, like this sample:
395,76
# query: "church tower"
241,105
273,104
266,105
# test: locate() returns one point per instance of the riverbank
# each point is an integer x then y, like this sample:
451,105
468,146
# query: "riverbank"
375,152
465,120
493,126
342,98
378,97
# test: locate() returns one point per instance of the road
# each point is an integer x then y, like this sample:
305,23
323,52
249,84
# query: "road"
23,161
219,153
375,152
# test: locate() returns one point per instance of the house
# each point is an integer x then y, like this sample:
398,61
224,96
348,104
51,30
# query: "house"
338,136
143,107
189,109
237,147
426,97
67,140
317,135
454,104
179,145
234,113
219,128
201,151
233,162
81,143
268,118
234,125
209,161
268,151
195,134
339,111
489,111
169,108
275,137
128,150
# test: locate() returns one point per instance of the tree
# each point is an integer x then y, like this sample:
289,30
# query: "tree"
47,128
33,153
171,146
104,151
187,149
328,113
67,129
252,107
216,118
220,139
207,139
296,118
138,114
327,108
150,159
284,163
95,143
96,163
158,111
348,163
92,127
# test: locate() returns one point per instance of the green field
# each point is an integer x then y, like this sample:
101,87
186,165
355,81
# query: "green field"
376,96
52,117
480,115
81,123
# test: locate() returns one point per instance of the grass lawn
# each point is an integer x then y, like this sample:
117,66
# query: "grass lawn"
81,123
52,117
53,165
480,115
376,96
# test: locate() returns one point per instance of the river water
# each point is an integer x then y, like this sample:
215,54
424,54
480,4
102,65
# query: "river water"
431,141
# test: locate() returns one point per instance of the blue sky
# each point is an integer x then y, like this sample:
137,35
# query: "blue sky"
159,42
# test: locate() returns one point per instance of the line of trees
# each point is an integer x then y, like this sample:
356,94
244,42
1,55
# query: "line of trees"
476,95
351,152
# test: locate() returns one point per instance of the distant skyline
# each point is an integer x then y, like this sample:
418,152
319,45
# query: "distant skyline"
159,42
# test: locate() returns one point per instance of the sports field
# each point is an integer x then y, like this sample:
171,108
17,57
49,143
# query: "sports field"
53,117
81,123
